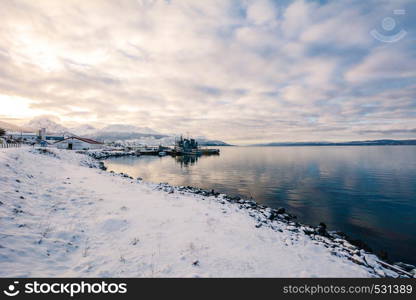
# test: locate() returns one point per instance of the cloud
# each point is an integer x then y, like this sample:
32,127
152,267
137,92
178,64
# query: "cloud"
389,131
242,71
388,63
261,12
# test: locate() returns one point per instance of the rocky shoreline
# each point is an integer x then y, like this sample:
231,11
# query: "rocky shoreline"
104,154
340,243
265,218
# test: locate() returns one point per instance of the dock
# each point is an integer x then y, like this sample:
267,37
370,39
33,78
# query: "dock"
182,147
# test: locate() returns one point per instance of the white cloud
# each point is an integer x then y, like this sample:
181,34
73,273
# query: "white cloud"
261,12
384,63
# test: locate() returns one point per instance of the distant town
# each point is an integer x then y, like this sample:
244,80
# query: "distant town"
141,140
111,147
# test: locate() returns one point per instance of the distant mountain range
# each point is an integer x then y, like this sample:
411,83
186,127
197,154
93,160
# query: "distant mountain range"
203,142
352,143
120,133
11,127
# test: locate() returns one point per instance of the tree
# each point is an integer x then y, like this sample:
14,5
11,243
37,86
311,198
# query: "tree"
2,132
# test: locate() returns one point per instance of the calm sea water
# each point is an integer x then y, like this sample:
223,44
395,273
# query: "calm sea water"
368,192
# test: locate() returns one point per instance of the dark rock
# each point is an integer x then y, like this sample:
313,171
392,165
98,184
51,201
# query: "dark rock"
272,216
322,230
383,255
359,244
17,180
101,166
258,225
406,267
21,197
195,263
17,211
280,210
308,231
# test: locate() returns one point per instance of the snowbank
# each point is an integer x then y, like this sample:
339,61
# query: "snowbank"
102,154
62,216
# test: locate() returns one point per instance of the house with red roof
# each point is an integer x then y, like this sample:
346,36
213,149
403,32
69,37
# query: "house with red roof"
78,143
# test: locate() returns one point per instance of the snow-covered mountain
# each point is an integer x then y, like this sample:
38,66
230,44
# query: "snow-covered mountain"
128,128
83,130
120,133
108,133
112,130
50,125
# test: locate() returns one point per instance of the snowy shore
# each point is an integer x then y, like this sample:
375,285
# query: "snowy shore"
62,216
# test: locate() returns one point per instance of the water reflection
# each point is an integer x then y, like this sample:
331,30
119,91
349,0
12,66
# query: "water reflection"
367,192
187,160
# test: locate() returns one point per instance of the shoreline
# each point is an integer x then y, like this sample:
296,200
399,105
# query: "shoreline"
203,233
281,215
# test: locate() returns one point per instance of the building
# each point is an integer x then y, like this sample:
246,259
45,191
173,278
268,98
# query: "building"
33,137
78,143
42,134
49,137
22,136
54,138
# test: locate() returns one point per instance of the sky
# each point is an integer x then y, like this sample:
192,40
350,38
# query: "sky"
240,71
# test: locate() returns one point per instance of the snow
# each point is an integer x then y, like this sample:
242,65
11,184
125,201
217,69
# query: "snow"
50,125
62,217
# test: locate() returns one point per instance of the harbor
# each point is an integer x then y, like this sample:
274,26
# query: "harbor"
183,146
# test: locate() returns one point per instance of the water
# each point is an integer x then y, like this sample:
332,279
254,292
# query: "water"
368,192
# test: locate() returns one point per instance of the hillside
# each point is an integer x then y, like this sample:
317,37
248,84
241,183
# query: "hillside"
120,133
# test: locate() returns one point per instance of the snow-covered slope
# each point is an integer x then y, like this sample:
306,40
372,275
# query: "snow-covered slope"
83,130
60,218
109,133
50,125
120,133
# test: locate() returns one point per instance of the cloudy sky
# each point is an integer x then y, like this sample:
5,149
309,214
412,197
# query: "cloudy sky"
240,71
